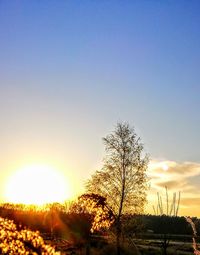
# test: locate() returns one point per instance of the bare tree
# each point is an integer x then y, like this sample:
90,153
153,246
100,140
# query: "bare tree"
174,207
122,179
171,211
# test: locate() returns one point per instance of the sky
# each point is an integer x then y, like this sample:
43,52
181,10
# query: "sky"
70,70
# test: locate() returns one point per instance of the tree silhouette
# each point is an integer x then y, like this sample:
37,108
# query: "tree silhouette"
100,214
96,205
122,180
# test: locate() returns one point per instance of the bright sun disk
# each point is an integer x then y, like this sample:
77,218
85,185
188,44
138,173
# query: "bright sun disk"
165,167
37,185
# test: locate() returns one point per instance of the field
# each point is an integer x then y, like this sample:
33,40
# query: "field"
152,247
100,245
31,230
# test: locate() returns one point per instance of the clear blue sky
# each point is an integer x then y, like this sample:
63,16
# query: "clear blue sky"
69,70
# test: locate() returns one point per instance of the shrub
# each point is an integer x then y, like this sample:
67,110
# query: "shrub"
22,241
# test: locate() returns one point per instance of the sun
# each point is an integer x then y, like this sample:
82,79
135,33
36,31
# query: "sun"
165,167
37,184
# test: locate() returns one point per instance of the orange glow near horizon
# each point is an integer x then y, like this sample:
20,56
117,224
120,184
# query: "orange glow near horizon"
37,184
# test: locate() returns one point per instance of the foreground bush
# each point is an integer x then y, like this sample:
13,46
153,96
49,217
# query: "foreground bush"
22,241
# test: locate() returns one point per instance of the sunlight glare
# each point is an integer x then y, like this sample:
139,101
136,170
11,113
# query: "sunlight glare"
165,167
37,184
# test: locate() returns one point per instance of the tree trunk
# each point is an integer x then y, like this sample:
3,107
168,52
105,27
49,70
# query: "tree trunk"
165,244
87,245
118,237
119,226
165,251
87,249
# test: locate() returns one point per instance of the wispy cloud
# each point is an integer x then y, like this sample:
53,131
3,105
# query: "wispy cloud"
176,176
172,174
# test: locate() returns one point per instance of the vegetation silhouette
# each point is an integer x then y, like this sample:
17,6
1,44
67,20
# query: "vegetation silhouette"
74,224
122,179
171,210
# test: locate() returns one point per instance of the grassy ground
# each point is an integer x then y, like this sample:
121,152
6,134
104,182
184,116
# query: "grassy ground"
153,247
107,247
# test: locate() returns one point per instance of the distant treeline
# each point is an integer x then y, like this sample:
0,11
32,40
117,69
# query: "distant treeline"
168,224
153,225
67,222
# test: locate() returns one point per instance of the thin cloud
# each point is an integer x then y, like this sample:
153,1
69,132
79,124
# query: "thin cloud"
172,174
176,177
186,168
169,184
